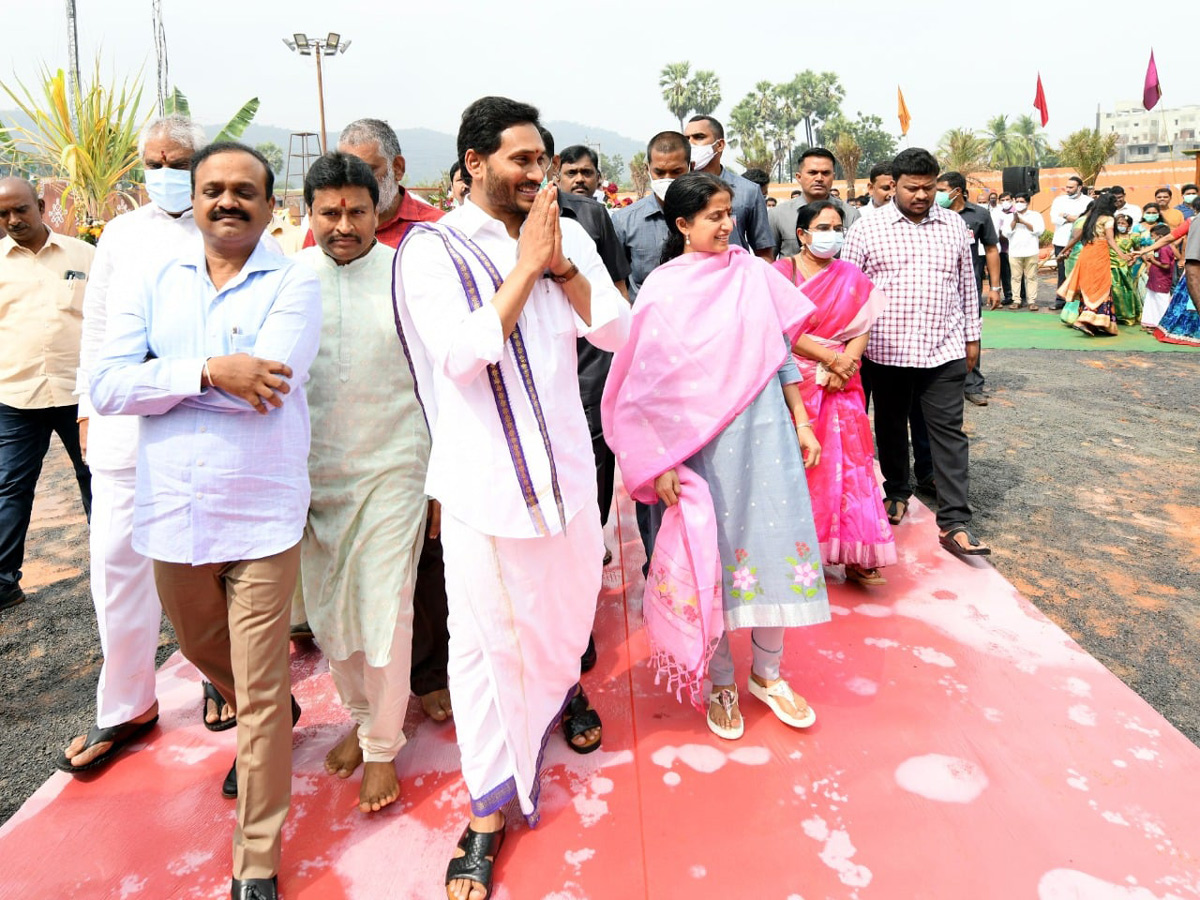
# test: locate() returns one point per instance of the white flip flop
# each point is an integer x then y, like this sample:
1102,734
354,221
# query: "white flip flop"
728,698
781,689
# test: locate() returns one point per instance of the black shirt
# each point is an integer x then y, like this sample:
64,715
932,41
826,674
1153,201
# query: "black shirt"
594,362
983,232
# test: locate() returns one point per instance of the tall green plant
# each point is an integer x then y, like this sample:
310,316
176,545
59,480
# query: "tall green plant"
177,102
706,92
677,89
1087,151
88,136
962,150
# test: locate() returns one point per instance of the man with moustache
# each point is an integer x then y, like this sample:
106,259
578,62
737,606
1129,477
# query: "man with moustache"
815,175
1064,210
358,559
375,143
880,186
42,278
212,350
579,172
750,228
924,342
128,612
490,302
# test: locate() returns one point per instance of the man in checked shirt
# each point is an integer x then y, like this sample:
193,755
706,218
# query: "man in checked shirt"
924,342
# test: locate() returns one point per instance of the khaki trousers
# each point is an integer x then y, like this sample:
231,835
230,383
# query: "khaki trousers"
232,623
1024,268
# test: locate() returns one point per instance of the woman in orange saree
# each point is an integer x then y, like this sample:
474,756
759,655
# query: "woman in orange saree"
1090,281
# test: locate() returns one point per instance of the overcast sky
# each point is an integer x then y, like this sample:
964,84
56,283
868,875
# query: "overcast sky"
418,64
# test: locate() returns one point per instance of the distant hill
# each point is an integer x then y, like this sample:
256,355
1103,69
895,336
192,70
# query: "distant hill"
428,153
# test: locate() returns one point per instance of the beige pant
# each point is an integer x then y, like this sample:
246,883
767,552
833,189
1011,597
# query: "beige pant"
232,623
377,696
1024,267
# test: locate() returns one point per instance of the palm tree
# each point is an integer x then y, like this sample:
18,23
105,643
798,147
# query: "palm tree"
1086,151
961,150
1004,146
638,173
848,153
1033,136
677,89
706,92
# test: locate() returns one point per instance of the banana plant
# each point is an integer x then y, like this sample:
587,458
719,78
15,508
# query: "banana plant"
177,102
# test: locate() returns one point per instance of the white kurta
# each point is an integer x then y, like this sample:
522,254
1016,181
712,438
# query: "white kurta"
521,589
367,465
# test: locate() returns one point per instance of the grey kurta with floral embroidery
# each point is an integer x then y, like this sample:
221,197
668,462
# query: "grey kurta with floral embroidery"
770,560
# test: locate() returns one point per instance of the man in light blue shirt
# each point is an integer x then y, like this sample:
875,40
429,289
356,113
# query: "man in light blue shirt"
212,351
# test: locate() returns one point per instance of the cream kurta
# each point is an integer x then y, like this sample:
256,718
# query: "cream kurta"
370,452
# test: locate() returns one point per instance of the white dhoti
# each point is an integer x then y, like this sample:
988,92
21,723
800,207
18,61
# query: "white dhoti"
128,613
520,612
377,696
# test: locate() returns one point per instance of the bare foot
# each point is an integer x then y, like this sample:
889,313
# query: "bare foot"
465,888
437,705
796,706
346,756
212,716
380,787
81,757
716,711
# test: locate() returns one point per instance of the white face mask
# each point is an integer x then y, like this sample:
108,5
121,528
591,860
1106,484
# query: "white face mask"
170,189
1189,198
826,244
1021,207
702,155
659,186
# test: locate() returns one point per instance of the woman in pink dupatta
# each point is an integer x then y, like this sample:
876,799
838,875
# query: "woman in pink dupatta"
852,525
703,412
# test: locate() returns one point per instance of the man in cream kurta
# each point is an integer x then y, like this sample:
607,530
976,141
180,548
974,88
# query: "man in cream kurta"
370,450
491,327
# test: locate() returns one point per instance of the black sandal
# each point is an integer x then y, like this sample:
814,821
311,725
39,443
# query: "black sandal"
579,719
119,736
974,548
211,693
896,509
474,864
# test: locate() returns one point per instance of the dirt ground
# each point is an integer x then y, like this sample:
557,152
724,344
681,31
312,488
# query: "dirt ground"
1085,479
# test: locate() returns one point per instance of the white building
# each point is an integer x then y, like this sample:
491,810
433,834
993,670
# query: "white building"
1152,135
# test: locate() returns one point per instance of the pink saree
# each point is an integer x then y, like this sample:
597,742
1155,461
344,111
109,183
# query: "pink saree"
852,526
707,336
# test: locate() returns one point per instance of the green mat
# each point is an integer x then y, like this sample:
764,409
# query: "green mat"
1022,330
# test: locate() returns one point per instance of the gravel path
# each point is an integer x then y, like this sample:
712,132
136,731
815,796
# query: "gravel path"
1084,478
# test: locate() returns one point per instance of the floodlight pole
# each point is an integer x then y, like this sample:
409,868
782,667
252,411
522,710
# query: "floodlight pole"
321,95
318,47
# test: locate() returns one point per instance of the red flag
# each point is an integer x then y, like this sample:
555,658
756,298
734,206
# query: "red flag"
1152,90
1039,102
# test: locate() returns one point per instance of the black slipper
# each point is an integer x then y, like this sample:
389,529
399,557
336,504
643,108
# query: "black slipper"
119,736
896,509
975,549
211,693
577,719
474,865
587,662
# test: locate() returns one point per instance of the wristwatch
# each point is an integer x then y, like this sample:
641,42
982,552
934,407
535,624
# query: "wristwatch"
566,276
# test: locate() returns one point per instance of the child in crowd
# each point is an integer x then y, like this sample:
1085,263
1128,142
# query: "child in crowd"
1158,286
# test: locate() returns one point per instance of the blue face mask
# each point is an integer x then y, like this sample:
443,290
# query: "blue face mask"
943,199
170,189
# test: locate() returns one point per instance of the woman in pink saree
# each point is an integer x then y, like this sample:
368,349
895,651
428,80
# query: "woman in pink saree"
852,526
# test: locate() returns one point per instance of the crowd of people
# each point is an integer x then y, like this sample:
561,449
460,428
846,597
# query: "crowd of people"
383,441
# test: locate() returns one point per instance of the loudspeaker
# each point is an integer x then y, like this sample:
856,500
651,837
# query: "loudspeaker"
1021,180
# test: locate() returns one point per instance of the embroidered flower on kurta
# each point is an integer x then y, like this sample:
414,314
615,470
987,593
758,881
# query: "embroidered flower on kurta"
804,574
744,579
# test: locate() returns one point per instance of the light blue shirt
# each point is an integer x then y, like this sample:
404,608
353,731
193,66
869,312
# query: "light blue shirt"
642,232
216,481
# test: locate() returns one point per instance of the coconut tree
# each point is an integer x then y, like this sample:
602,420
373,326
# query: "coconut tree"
87,136
639,174
962,150
1086,151
677,89
1033,136
847,151
706,92
1004,146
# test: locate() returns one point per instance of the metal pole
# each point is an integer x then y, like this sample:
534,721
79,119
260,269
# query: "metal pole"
319,46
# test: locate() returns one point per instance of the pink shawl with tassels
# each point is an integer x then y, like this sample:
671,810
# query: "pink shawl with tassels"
708,334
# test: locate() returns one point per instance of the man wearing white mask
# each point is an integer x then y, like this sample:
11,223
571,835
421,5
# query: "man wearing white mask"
128,614
1064,210
641,228
1023,228
751,228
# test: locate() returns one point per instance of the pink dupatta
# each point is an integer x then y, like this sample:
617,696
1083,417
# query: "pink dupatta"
707,337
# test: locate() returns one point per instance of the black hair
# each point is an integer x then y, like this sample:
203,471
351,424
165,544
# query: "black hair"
1153,203
819,152
1162,229
548,140
758,176
883,168
1116,189
669,142
1186,188
1126,216
956,182
339,170
810,211
717,128
1077,178
486,119
1024,197
576,152
1104,205
796,194
1196,204
914,161
233,147
688,195
1165,187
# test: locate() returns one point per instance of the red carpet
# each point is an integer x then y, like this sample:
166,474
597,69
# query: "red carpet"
965,748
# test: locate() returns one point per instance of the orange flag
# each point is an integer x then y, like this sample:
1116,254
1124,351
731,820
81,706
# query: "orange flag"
902,112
